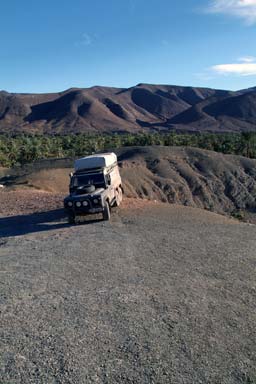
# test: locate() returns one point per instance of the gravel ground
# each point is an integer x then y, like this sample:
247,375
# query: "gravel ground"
161,294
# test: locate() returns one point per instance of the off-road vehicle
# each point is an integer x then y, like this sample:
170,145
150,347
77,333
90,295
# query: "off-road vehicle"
95,187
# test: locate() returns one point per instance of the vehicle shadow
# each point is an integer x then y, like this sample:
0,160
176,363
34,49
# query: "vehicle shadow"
36,222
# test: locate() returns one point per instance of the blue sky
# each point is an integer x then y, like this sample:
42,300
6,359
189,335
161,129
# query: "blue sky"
54,45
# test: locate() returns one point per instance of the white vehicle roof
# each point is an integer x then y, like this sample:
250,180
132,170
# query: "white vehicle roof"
101,160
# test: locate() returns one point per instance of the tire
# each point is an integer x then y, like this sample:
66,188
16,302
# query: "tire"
71,219
119,197
106,212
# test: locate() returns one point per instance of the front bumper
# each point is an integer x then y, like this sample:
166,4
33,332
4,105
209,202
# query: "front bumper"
83,210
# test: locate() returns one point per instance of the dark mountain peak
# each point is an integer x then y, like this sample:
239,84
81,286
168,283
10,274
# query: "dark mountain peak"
247,90
241,106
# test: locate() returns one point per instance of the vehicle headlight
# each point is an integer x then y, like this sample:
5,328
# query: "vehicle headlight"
85,203
78,204
70,204
96,201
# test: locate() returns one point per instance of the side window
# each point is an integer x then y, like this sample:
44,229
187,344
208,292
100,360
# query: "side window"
111,177
108,179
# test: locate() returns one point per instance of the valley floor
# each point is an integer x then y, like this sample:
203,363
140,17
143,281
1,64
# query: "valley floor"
161,294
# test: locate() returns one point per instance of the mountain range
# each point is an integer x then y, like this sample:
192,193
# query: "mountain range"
142,108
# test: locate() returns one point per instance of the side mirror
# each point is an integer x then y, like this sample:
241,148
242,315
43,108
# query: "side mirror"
71,175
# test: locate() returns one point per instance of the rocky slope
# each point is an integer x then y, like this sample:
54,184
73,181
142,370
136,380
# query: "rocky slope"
190,176
140,108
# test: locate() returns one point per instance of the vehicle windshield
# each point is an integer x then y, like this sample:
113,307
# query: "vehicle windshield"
93,179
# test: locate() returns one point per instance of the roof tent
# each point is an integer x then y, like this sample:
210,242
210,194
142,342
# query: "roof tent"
102,160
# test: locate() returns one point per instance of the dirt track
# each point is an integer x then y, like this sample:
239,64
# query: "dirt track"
161,294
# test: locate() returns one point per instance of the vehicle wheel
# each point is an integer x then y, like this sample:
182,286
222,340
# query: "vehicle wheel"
71,219
106,212
119,197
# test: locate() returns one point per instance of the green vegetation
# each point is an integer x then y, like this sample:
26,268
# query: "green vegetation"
238,215
20,149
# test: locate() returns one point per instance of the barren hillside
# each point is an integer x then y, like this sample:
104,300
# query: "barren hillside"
181,175
140,108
